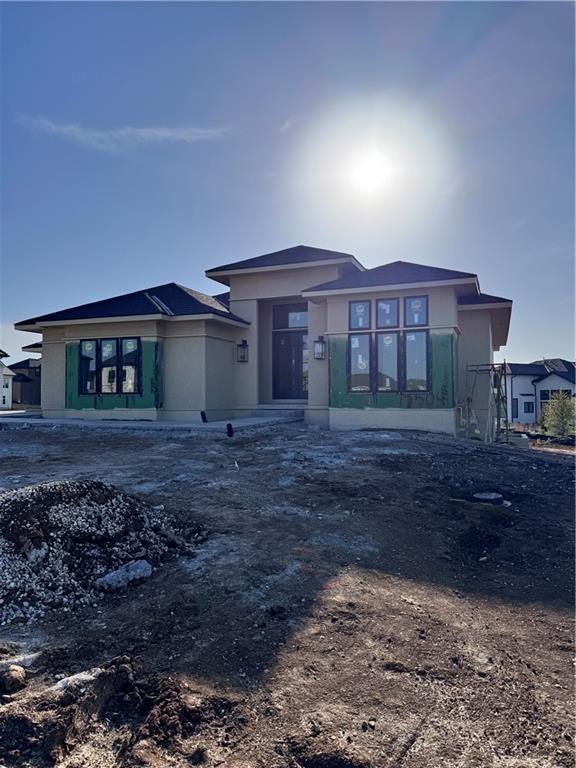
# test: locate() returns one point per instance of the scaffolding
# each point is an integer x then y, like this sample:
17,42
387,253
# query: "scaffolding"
497,424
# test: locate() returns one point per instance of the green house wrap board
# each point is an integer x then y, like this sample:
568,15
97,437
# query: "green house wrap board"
443,375
151,395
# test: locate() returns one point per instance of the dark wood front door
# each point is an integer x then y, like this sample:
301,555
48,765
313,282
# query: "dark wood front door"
290,365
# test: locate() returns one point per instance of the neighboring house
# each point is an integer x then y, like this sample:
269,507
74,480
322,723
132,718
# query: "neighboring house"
27,381
303,328
6,377
531,385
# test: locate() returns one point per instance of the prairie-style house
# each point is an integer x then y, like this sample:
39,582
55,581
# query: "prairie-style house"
531,386
304,328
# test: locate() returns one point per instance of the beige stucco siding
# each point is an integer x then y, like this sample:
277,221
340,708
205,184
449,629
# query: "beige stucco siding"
246,374
318,380
280,283
475,348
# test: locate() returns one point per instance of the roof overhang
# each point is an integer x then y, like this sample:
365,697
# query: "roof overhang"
391,287
222,276
37,327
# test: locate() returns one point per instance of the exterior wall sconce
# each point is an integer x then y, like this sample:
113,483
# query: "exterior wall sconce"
320,348
242,351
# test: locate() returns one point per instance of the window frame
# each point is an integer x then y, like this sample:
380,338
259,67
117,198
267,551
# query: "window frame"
428,389
530,403
290,307
391,327
81,389
119,365
370,389
399,366
406,324
373,351
360,301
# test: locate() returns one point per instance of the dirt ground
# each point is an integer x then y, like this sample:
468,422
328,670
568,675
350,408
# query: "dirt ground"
348,606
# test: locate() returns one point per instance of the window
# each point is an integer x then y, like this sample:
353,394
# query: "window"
514,407
290,316
544,394
566,392
5,382
110,366
528,407
359,315
416,357
360,363
37,371
88,367
387,313
387,354
416,310
129,366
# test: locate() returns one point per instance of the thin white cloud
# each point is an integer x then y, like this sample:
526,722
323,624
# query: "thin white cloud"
287,125
115,139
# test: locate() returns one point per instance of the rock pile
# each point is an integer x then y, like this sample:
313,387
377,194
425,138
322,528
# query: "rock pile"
57,539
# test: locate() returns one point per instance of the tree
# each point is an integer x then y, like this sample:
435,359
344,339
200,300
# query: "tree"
558,417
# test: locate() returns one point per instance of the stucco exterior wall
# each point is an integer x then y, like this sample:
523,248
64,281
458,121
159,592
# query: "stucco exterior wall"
53,387
429,420
319,378
475,348
280,283
246,375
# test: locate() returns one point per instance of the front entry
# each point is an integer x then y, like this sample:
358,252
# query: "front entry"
290,365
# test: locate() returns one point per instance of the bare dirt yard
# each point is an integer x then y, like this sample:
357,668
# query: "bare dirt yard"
329,600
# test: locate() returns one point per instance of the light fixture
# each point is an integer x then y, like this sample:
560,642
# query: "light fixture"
320,348
242,351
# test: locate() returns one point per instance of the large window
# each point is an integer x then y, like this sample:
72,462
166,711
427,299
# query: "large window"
387,313
387,356
416,361
416,310
359,315
87,379
110,366
360,363
290,316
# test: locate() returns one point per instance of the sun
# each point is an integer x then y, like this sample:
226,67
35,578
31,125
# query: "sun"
371,173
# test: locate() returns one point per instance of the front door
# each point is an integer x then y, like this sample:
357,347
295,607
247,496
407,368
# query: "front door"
290,365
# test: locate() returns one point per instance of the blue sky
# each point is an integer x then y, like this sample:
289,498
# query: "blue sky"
145,142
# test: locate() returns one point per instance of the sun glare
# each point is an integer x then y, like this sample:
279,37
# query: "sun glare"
371,173
380,163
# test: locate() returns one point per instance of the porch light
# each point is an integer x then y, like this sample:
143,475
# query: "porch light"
320,348
242,351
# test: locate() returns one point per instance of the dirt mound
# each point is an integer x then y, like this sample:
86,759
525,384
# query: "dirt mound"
58,538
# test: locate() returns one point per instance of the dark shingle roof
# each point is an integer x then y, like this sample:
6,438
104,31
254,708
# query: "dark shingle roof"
3,354
169,300
223,298
395,273
29,362
482,298
296,255
541,369
526,369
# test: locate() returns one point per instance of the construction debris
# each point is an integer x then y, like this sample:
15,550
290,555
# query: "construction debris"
63,542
